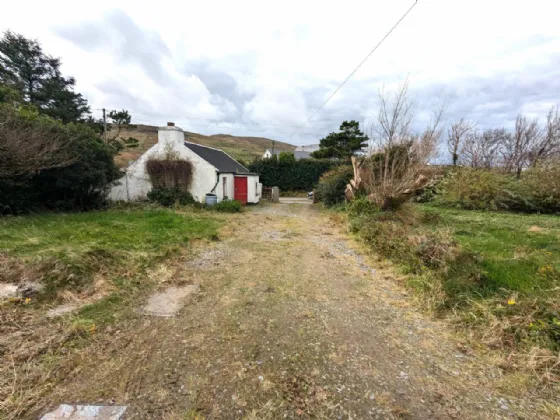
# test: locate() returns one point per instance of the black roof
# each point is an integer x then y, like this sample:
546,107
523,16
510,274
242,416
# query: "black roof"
220,160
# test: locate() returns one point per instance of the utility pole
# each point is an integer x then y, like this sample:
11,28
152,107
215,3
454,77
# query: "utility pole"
104,127
273,146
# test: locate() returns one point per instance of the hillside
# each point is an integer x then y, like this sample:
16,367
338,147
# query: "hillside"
241,148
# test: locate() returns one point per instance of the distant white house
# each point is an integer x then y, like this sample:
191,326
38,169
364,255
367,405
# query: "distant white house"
268,153
214,171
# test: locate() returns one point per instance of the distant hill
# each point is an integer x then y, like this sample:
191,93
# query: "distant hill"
241,148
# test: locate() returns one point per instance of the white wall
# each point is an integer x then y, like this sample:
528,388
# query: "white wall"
136,184
230,188
253,195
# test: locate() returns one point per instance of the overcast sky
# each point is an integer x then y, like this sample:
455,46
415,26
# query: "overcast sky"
262,68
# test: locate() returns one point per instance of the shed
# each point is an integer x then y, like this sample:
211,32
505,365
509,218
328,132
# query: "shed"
214,171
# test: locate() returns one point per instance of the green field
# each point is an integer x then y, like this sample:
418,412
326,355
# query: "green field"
68,252
128,231
519,252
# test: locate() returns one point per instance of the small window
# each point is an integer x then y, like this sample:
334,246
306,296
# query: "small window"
225,188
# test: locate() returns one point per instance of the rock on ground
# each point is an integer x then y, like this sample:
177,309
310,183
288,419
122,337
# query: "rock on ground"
168,302
86,412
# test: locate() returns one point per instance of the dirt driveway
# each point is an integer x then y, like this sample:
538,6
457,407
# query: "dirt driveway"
289,321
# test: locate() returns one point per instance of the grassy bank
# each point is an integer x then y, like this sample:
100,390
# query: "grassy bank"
66,252
520,253
497,275
103,263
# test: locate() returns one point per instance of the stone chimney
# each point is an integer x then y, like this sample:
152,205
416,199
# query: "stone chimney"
171,135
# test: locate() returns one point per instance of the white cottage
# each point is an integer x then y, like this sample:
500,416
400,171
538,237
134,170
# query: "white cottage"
214,171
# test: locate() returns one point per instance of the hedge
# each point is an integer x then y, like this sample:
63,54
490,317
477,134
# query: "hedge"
80,185
300,175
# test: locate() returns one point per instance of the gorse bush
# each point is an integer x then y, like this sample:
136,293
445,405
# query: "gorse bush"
331,186
228,206
538,190
169,196
299,175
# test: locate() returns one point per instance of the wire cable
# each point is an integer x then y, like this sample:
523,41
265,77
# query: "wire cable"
359,65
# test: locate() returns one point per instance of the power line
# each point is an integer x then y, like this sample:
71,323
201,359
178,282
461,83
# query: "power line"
359,65
316,111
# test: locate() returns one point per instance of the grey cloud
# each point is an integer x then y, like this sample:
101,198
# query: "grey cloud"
119,34
220,82
119,97
491,101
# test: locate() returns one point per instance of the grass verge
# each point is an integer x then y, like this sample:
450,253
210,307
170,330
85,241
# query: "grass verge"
102,262
496,274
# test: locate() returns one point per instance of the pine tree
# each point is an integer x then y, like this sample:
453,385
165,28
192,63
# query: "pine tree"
343,144
25,67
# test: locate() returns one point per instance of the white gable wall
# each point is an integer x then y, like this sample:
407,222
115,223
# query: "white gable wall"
136,184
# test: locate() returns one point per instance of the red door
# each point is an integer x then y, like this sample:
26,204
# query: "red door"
240,184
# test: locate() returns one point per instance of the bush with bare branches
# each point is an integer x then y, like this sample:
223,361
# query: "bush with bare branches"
31,143
393,173
45,164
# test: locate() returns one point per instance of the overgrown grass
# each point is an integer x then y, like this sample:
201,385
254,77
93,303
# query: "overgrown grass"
518,252
105,262
495,274
69,253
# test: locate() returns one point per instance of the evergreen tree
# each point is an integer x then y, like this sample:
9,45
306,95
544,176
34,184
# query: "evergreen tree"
25,67
343,144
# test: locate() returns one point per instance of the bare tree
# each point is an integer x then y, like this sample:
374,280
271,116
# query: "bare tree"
393,173
482,149
394,117
28,146
457,135
516,149
548,143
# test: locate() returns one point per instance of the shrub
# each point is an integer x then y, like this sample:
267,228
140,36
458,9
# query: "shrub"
404,237
538,190
286,157
299,175
169,196
73,175
542,185
228,206
476,189
331,186
361,207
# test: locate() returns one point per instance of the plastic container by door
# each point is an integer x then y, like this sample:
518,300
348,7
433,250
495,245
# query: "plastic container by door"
211,199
